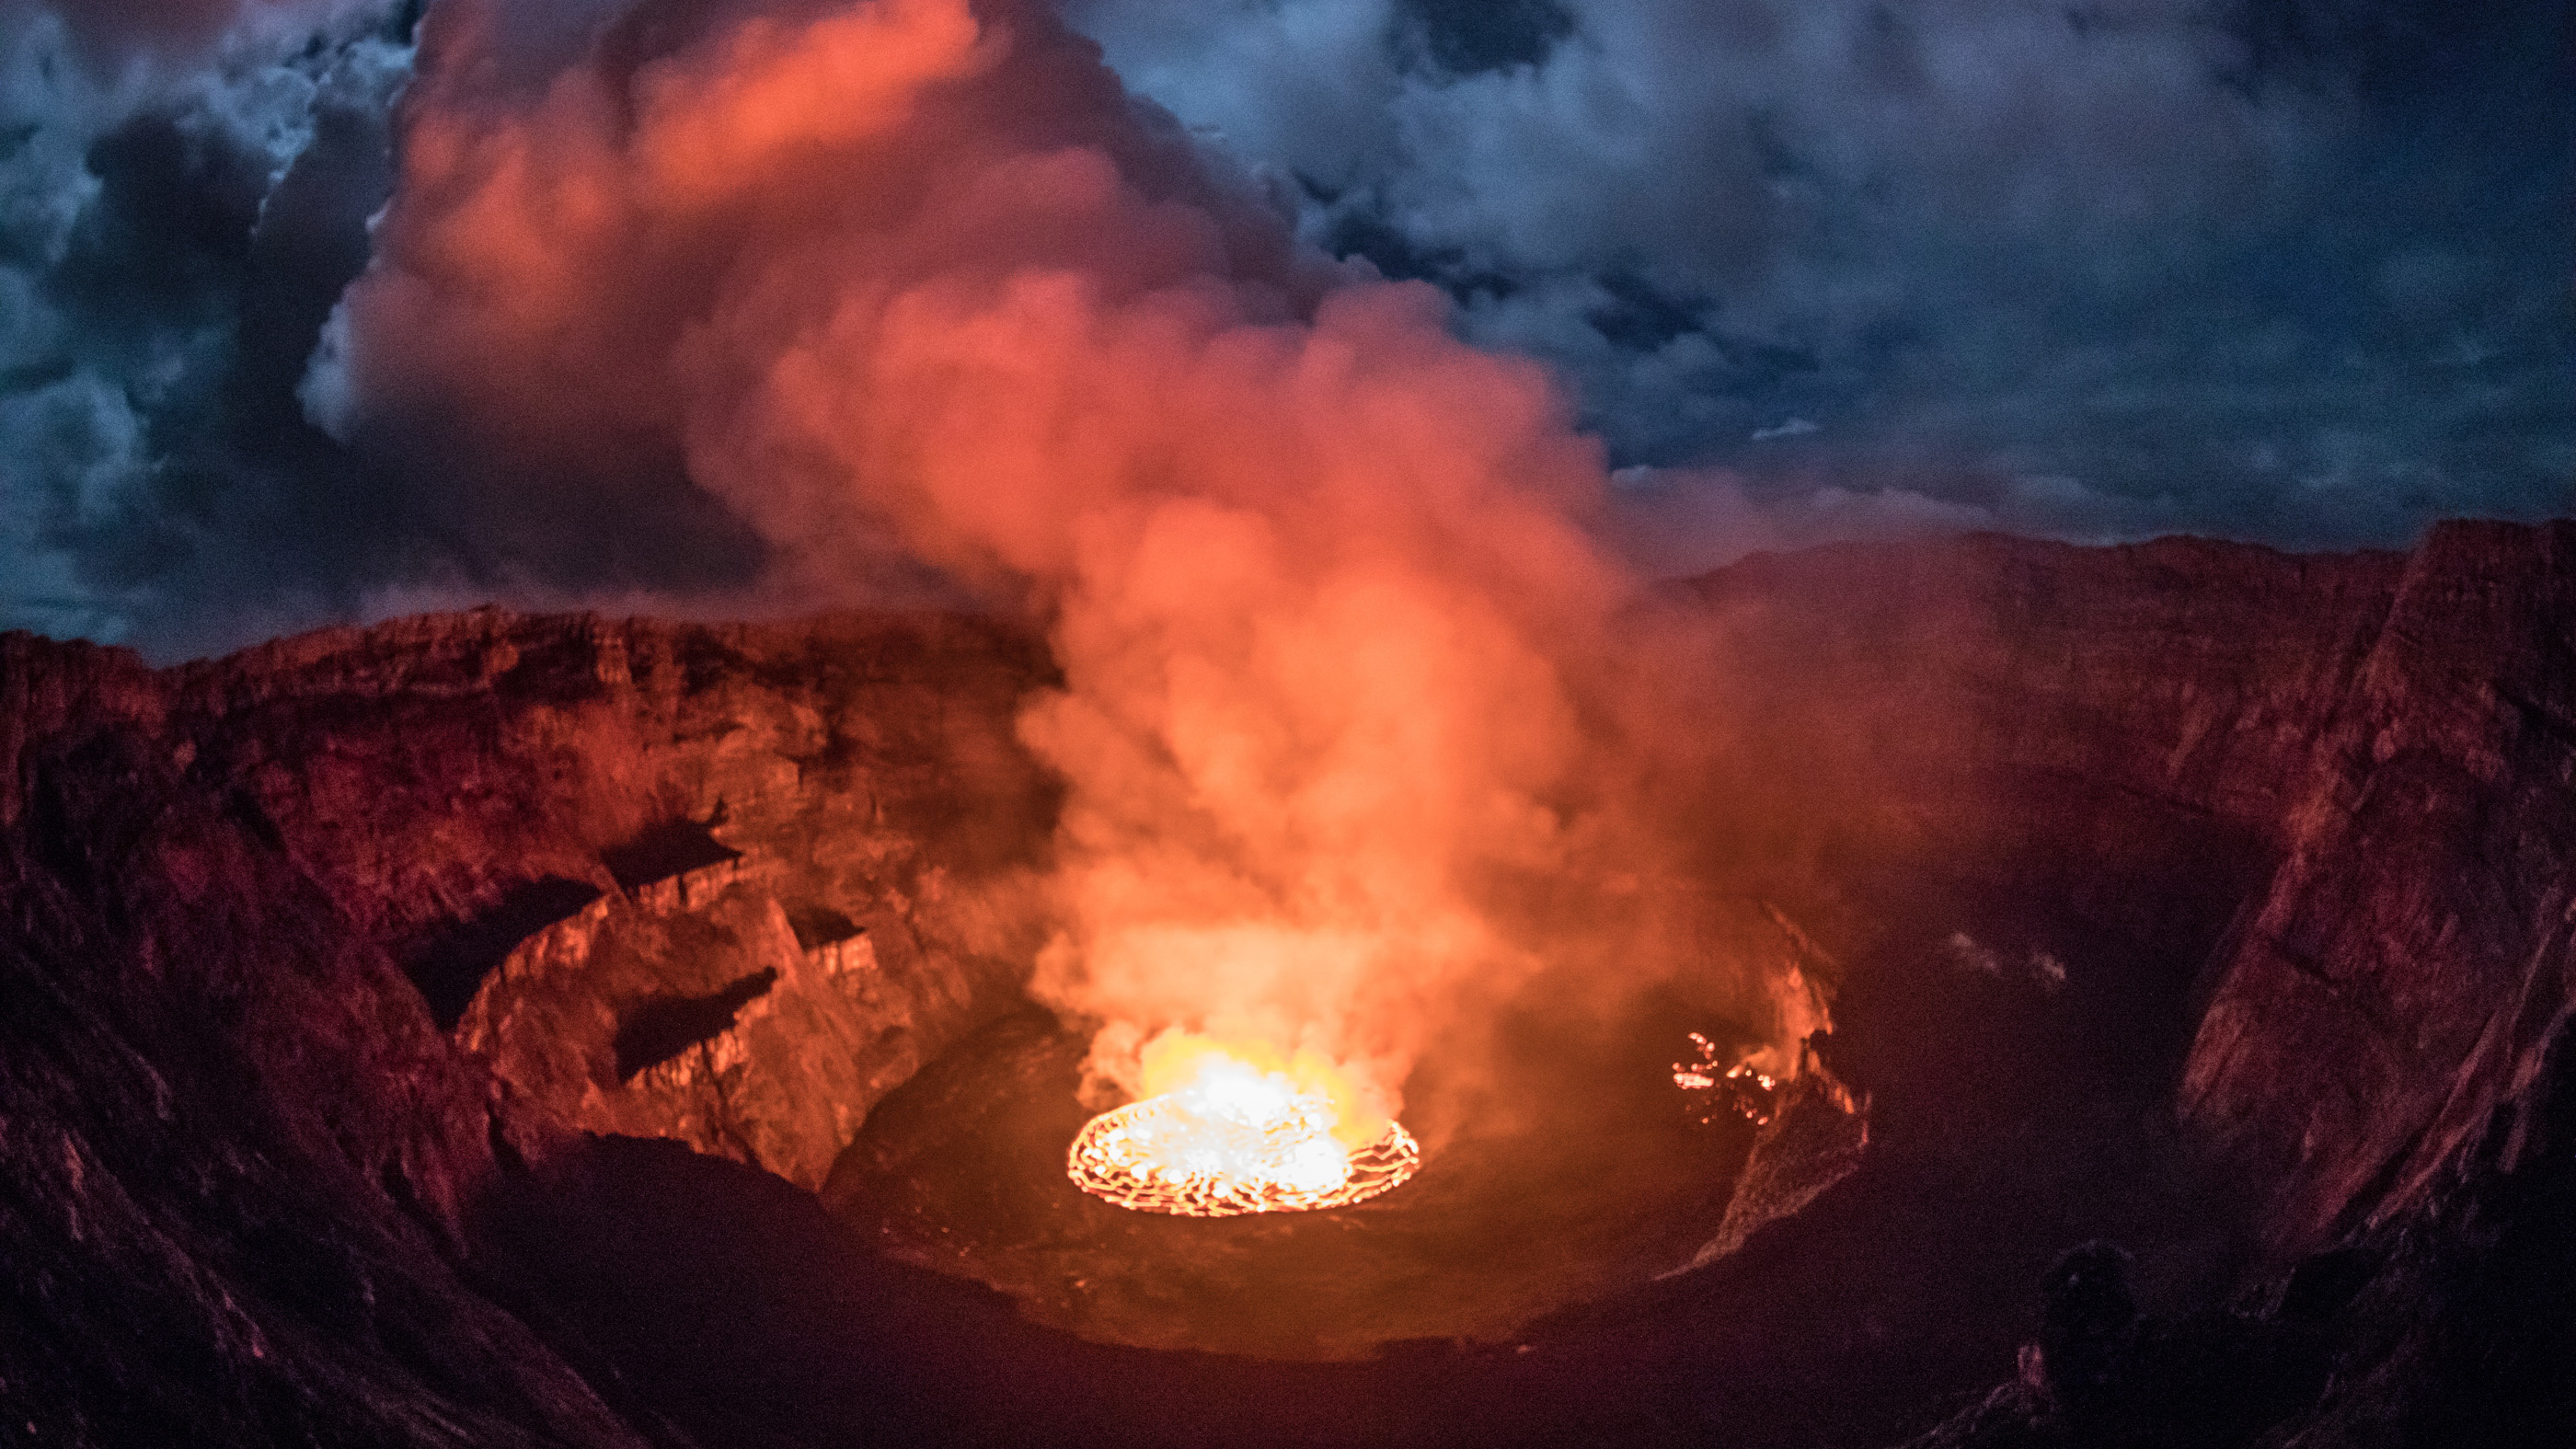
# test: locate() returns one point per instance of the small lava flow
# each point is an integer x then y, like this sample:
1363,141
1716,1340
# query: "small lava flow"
1714,1091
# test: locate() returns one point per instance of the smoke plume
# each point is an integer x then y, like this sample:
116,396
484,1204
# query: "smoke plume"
918,274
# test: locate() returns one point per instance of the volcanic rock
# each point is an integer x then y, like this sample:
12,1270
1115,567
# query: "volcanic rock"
241,1151
2196,895
235,1153
1813,1140
2368,757
2416,953
849,768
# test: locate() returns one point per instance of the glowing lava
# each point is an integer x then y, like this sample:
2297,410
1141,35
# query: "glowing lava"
1742,1089
1230,1128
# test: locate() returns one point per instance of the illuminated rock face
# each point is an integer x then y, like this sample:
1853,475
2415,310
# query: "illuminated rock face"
666,881
774,937
2420,935
359,920
2388,738
307,952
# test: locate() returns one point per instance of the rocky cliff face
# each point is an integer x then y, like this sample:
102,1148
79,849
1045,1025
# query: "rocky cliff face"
760,829
2361,767
2418,934
2371,753
305,946
317,963
235,1154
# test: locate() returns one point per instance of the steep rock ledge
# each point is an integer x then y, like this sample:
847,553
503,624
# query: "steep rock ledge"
235,1155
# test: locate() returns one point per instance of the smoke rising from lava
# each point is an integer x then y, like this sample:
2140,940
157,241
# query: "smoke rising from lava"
917,277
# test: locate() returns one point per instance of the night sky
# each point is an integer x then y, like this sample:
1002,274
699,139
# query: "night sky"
2293,271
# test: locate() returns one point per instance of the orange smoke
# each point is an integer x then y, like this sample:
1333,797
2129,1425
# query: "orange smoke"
1333,635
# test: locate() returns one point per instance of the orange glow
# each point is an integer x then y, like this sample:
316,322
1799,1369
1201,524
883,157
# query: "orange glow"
1341,658
1228,1128
712,127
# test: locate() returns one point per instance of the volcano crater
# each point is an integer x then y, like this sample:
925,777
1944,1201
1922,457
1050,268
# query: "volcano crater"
2194,896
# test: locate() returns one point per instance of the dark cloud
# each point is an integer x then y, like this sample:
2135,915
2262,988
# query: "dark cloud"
176,238
110,33
1468,37
2288,269
107,27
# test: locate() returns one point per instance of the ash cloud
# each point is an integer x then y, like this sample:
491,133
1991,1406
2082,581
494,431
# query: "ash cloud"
2290,270
917,283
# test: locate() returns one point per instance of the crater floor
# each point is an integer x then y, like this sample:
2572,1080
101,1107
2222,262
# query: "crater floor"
1580,1189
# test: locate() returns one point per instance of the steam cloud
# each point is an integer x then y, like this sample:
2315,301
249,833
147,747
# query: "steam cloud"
917,274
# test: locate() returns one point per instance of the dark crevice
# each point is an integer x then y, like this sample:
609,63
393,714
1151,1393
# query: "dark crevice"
397,1185
820,926
505,1153
664,1027
672,848
2326,1283
245,810
452,969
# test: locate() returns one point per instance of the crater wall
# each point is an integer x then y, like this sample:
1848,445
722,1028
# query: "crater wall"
305,949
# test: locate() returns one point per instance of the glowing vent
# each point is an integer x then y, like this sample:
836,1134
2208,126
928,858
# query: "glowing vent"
1244,1131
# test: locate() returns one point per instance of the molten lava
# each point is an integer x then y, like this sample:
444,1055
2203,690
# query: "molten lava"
1741,1089
1230,1128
